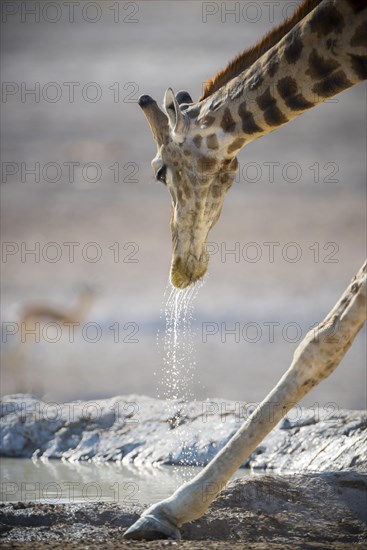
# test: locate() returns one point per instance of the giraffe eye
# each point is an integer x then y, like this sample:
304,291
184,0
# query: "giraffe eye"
161,174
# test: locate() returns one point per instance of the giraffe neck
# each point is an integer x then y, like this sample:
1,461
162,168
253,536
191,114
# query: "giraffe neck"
323,54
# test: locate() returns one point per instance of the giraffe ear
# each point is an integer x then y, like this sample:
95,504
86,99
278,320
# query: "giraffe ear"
178,122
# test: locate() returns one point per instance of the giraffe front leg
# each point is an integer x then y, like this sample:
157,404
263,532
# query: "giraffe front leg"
314,359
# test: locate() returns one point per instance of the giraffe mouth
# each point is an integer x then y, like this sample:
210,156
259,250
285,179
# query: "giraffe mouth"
185,273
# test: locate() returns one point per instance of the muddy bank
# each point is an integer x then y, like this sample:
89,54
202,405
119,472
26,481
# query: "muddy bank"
142,430
325,510
323,504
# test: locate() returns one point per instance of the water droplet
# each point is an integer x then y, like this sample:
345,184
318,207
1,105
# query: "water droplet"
178,374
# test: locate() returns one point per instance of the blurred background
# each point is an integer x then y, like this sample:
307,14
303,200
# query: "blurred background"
86,243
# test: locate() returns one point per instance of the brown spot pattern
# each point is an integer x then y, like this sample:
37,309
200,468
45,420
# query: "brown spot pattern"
249,125
208,121
357,5
326,19
288,91
212,142
197,140
332,85
359,38
187,191
293,46
226,180
359,65
206,165
272,114
319,67
216,191
227,123
236,145
250,56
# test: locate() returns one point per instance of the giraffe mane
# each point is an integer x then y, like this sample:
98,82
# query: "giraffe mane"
245,59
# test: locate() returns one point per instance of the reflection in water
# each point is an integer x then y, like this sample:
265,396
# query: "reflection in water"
56,481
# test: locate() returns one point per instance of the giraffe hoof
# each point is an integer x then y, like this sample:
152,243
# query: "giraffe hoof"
150,528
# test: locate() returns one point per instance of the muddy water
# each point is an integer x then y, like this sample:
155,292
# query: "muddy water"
56,482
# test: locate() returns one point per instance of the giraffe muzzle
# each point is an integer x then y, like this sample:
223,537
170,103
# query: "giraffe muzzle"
187,271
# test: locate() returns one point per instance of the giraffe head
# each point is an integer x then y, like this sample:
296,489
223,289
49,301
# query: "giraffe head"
197,172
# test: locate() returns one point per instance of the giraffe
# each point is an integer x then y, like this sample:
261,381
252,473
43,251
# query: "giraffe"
318,52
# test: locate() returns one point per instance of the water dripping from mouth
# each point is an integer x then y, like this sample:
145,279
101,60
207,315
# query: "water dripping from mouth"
178,374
